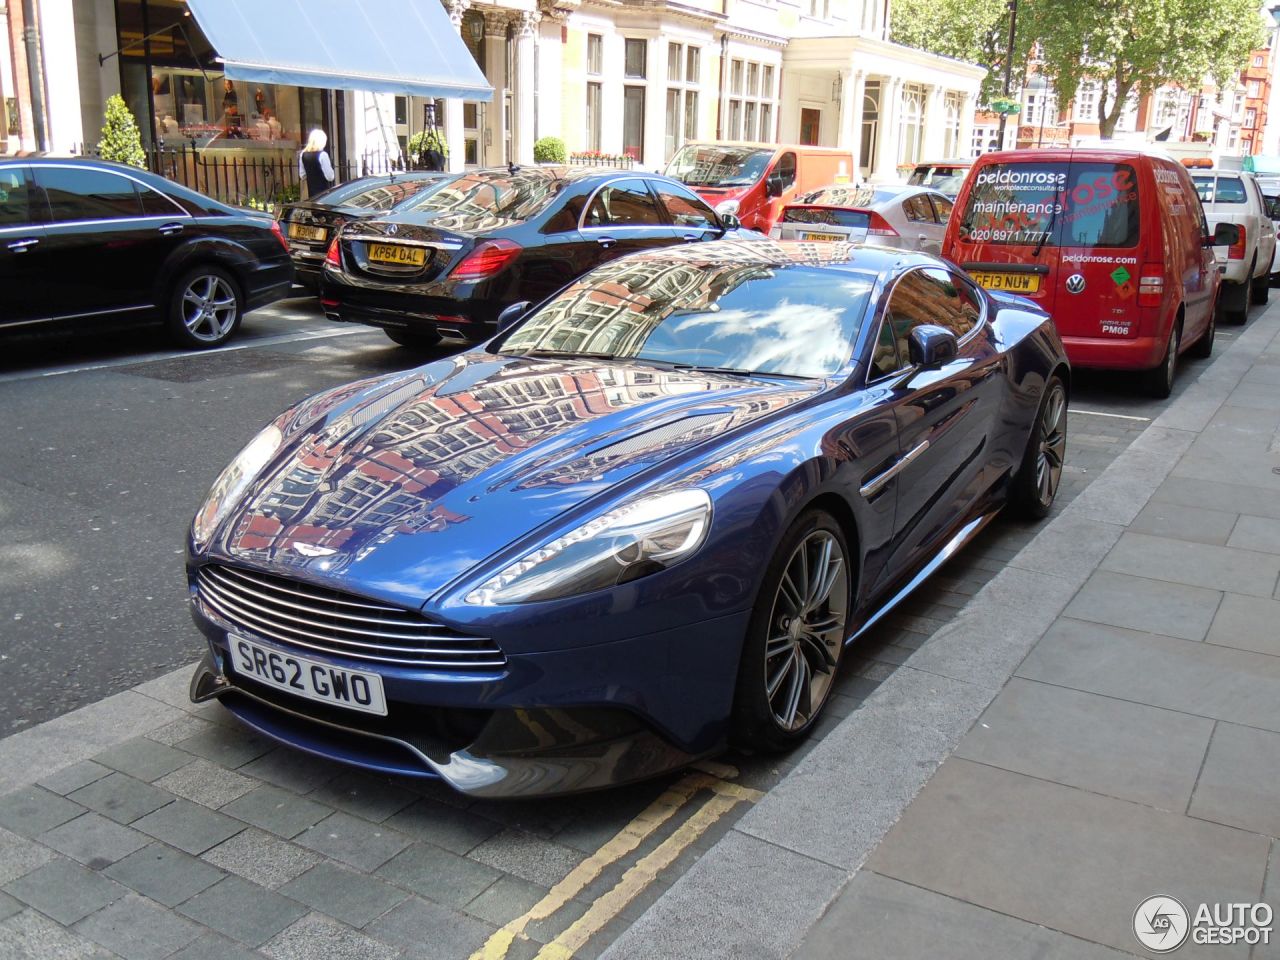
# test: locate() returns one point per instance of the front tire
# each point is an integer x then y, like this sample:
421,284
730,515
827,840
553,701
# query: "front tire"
205,308
795,637
1035,485
414,339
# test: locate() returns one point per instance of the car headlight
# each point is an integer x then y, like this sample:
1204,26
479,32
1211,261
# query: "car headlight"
630,541
234,480
727,206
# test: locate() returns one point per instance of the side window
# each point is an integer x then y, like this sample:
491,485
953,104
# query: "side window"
942,208
931,295
918,208
683,207
786,170
625,203
156,204
884,355
76,193
15,197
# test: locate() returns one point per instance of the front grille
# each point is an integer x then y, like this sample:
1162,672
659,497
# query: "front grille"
340,624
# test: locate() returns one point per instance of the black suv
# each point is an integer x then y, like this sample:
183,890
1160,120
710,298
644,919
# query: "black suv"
86,241
450,261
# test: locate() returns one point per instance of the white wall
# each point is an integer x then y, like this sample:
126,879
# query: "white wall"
62,75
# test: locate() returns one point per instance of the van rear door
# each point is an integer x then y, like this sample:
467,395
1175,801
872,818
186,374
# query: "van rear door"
1007,225
1099,262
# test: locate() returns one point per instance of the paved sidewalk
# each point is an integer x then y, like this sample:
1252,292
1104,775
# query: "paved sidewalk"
1108,710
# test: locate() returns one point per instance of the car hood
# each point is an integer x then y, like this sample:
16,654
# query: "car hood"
403,487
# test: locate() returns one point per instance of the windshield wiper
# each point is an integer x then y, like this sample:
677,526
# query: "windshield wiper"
566,354
730,371
1044,237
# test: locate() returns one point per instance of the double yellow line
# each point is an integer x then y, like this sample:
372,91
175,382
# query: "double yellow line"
724,796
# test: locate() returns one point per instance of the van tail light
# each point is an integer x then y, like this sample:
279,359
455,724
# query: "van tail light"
332,257
1236,250
275,228
879,227
1151,285
487,259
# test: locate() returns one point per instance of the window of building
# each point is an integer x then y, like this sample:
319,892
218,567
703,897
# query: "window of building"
766,122
595,54
691,115
1031,113
682,96
1087,101
1251,117
1257,61
952,105
1255,89
633,122
753,79
910,123
735,120
766,90
749,129
751,118
593,116
637,52
735,77
693,65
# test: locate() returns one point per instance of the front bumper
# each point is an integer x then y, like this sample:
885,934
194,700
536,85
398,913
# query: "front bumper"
554,722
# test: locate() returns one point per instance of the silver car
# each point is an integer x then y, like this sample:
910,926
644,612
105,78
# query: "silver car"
914,218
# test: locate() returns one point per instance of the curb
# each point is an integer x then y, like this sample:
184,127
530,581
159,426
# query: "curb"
760,888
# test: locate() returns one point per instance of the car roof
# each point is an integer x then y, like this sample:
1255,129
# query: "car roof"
895,192
836,258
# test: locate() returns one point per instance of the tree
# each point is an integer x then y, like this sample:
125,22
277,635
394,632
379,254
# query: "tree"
121,140
549,150
976,31
1133,48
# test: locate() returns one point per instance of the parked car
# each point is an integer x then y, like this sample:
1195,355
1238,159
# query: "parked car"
754,181
1232,196
912,218
83,242
1111,242
644,520
309,224
449,262
1273,211
945,176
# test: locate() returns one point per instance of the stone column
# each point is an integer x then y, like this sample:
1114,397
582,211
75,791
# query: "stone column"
856,96
454,132
525,102
884,170
495,68
934,120
968,103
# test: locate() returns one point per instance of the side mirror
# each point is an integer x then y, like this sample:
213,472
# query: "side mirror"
930,346
512,314
773,186
730,221
1225,235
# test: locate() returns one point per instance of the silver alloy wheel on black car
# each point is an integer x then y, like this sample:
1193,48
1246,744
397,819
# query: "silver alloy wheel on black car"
1052,431
806,630
205,308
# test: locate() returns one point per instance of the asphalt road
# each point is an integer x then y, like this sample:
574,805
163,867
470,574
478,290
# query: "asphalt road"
111,441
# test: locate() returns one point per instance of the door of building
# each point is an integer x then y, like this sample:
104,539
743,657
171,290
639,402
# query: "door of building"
810,125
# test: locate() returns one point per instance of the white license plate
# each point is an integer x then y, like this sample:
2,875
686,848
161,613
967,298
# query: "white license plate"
303,677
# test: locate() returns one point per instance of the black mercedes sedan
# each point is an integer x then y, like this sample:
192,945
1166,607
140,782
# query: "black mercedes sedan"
309,224
450,261
85,242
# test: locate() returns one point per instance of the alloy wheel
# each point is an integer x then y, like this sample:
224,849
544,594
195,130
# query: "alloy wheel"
806,630
208,307
1053,444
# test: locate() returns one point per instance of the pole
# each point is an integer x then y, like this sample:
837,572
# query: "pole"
1008,66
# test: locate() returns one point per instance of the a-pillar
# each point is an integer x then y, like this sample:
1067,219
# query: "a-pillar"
526,80
455,134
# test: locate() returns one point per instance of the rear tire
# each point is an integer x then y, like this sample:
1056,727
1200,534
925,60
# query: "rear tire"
1035,486
1203,347
414,339
1159,381
1262,288
205,308
795,637
1241,299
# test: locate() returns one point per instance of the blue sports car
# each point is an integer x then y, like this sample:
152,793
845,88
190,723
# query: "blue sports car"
642,522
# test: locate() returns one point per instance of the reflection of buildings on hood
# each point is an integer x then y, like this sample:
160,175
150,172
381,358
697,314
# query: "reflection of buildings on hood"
344,487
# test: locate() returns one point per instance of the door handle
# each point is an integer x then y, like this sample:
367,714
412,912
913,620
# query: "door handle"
18,246
169,229
606,242
692,237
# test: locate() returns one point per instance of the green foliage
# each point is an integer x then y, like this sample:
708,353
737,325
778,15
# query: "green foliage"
549,150
1140,46
121,140
429,139
976,31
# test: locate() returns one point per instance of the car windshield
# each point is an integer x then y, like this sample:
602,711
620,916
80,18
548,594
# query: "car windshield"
510,196
787,318
1056,204
709,165
944,179
1220,189
380,194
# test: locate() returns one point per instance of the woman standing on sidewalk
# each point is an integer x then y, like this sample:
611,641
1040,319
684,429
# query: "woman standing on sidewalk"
314,165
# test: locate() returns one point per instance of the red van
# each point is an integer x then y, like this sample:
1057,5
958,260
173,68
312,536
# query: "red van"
1112,243
754,181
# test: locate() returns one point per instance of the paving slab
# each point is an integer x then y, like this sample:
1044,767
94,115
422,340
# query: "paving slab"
356,842
449,935
354,898
368,797
1152,606
1197,564
18,856
277,811
188,826
1108,746
120,797
30,936
522,855
33,810
879,918
1197,494
261,858
1161,519
1197,678
436,874
206,783
1261,534
94,840
65,891
137,929
74,776
1247,623
1064,858
164,874
242,910
1239,785
319,936
453,829
144,758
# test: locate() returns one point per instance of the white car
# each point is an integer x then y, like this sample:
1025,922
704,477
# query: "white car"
1233,196
914,218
